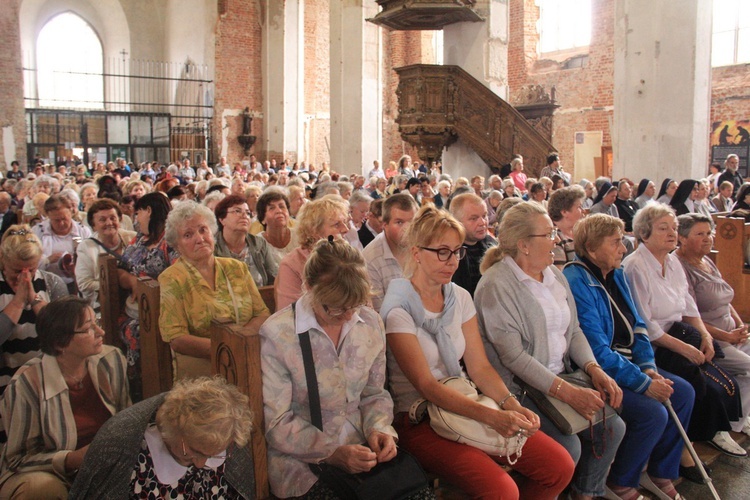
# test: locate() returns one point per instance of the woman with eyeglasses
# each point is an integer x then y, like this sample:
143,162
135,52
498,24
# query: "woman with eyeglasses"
348,349
187,443
56,403
317,220
431,324
233,240
527,316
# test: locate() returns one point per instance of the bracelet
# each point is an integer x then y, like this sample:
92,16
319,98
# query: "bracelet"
506,398
590,365
557,389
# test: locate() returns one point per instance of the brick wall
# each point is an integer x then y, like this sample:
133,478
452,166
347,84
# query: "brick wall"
585,93
238,73
400,48
11,83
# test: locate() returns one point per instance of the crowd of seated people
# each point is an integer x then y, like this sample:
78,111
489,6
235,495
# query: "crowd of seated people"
458,269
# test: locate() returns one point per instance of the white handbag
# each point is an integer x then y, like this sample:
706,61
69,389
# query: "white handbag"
458,428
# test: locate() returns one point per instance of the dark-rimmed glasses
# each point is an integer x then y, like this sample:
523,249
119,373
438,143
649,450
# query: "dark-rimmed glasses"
444,254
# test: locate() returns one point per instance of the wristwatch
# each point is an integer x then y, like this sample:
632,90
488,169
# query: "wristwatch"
37,299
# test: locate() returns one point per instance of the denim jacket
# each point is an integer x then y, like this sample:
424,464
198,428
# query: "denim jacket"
595,316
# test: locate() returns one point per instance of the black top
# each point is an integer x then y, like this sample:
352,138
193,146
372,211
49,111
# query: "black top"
467,275
626,209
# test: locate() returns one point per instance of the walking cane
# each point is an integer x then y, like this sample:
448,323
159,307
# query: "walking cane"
690,448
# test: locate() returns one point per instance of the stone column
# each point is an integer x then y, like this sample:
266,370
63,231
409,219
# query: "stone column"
12,114
481,49
356,88
662,89
283,79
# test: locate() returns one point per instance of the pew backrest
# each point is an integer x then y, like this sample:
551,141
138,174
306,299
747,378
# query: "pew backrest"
267,294
235,355
732,237
156,355
109,299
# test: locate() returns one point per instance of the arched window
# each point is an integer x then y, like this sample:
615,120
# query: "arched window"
69,63
563,24
731,32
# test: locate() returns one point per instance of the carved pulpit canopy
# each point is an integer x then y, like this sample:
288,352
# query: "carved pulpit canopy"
424,14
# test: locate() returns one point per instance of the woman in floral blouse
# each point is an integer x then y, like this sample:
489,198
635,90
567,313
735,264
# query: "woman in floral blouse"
348,345
146,256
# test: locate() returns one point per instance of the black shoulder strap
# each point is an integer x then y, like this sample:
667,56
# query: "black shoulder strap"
312,380
113,254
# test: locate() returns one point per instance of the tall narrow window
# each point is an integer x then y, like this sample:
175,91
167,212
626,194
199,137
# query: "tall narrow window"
731,32
564,24
69,63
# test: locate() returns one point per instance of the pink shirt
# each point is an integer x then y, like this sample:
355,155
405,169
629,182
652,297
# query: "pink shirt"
519,179
288,285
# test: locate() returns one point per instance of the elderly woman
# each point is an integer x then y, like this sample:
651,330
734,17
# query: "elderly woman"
275,223
318,220
187,443
683,200
668,187
683,345
702,204
443,194
517,175
252,195
233,240
60,236
199,288
519,281
104,217
565,208
56,403
714,296
590,190
348,347
619,340
492,202
88,195
25,290
645,192
419,358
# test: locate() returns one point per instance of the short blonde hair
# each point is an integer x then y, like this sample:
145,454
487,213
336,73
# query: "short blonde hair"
516,225
314,215
336,274
19,243
589,232
208,411
133,183
430,225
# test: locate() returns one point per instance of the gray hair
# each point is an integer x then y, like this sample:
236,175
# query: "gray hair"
495,195
182,212
216,196
72,196
643,222
359,196
686,222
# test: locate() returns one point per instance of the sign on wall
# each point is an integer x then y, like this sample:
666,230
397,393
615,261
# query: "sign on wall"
731,137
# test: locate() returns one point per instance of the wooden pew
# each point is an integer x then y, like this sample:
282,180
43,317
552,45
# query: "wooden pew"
156,355
109,299
732,235
235,355
267,294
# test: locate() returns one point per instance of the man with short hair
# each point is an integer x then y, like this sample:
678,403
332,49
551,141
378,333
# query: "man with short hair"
373,226
386,255
14,173
223,169
186,172
376,170
626,207
730,173
555,168
471,212
477,184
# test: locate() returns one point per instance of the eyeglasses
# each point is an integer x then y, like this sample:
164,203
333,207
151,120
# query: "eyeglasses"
444,254
552,235
335,313
200,456
240,212
95,327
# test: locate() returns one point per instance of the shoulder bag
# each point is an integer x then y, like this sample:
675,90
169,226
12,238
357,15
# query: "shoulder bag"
460,429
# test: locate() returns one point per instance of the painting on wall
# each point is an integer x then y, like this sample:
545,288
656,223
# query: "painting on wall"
731,137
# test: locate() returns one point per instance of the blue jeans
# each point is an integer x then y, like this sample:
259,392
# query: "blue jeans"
591,472
652,435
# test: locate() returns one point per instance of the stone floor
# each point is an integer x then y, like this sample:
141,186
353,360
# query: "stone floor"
731,475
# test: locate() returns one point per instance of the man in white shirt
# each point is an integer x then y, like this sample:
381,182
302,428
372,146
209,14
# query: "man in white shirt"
387,253
376,170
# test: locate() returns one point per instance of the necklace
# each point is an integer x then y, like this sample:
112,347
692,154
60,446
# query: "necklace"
78,384
729,388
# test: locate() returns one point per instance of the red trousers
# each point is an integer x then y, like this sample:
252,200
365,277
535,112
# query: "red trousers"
546,466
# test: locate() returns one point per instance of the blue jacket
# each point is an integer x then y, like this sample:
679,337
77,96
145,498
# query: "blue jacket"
597,323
